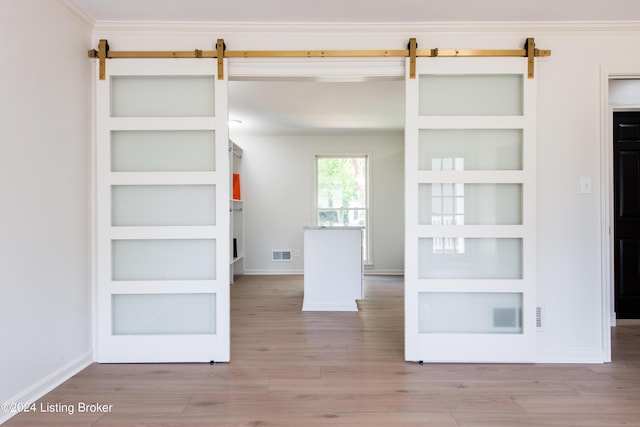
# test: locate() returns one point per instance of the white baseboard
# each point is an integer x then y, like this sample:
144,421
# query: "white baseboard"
273,272
383,272
596,357
256,272
48,383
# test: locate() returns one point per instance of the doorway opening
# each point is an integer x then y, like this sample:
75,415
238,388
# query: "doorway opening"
286,122
626,218
620,88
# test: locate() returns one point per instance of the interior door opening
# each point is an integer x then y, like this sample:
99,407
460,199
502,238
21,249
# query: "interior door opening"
626,183
282,124
620,87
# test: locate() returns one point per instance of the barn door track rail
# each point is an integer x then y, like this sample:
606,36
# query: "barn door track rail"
529,51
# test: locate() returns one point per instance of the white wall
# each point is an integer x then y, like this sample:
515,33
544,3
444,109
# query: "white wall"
278,179
45,175
45,171
569,236
570,242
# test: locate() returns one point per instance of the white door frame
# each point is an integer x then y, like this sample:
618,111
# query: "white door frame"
608,73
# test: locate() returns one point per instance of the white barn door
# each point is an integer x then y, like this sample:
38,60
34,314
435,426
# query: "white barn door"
470,286
162,212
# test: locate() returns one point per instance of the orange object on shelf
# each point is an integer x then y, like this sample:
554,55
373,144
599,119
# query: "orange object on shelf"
236,187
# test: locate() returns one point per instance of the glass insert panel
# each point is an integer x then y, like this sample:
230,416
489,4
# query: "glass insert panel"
469,204
163,205
471,95
164,314
178,259
162,96
470,149
470,313
469,258
162,151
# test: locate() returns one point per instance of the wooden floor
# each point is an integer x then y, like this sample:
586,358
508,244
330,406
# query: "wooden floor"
291,368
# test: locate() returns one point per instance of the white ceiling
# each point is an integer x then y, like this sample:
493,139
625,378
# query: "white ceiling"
360,10
311,106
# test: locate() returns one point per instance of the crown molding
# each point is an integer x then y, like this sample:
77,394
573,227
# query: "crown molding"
78,14
359,27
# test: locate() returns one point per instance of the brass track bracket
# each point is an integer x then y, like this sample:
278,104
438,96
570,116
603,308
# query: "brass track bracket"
413,49
101,54
220,47
531,53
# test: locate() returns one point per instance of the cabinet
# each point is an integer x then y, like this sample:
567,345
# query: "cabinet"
236,212
333,269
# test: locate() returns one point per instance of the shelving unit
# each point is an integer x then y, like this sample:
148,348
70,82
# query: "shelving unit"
237,215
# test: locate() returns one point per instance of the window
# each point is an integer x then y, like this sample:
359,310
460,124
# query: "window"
342,193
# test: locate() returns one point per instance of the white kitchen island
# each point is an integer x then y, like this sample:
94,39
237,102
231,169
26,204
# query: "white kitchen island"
333,269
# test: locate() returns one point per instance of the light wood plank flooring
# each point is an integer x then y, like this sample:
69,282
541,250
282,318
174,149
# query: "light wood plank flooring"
291,368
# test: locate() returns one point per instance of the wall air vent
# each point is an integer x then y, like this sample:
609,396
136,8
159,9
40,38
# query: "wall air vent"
281,255
506,319
540,318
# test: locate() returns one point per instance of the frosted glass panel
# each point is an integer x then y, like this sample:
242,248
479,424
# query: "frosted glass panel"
471,95
469,204
150,151
469,258
470,149
164,259
164,314
163,205
470,313
162,96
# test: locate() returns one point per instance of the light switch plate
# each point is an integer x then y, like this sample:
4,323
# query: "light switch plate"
586,185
